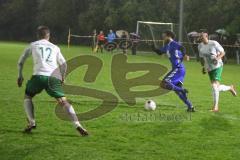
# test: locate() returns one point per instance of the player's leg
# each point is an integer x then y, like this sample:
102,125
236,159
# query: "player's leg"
178,80
98,46
184,98
34,86
101,46
215,77
224,88
168,84
215,93
29,110
54,89
173,81
216,89
72,115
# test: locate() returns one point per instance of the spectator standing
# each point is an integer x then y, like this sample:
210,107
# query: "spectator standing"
111,36
135,38
124,38
100,41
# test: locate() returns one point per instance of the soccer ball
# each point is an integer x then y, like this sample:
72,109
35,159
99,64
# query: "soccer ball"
150,105
213,58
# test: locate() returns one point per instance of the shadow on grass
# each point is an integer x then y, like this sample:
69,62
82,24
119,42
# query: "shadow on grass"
64,135
160,106
39,134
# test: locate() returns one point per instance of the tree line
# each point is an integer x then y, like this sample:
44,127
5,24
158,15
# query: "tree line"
19,18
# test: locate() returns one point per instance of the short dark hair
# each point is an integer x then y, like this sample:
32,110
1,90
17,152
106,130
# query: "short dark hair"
43,32
170,34
203,31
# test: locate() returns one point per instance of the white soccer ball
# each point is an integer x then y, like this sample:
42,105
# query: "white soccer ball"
150,105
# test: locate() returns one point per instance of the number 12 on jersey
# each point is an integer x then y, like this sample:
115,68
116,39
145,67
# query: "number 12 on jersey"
46,53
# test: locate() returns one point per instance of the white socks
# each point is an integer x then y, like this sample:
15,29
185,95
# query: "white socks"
215,92
224,88
29,109
73,116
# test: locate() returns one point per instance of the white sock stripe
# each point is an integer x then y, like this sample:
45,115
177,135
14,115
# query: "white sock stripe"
224,88
73,116
215,92
71,110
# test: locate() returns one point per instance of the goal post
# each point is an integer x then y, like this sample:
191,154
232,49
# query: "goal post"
157,23
80,39
151,34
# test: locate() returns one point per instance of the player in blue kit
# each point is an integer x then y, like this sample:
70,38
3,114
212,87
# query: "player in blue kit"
174,79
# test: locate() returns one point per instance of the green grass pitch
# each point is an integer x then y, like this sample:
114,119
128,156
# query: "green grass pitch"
203,136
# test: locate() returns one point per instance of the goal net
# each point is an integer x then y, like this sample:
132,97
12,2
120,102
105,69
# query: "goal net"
151,34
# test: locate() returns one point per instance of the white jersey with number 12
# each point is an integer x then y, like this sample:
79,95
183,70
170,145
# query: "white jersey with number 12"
46,57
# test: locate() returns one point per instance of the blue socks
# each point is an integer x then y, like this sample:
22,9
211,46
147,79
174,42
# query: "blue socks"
179,91
184,98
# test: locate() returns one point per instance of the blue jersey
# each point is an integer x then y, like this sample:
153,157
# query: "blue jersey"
111,37
175,54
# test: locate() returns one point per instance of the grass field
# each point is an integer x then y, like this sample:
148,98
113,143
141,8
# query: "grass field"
202,135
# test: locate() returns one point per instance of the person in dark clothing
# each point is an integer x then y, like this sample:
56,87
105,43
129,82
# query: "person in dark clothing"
124,39
100,41
135,39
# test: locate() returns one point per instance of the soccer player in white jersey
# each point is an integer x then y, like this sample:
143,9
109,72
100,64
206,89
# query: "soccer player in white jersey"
47,58
211,54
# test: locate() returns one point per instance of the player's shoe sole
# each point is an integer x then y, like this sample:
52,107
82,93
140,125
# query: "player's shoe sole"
82,131
233,91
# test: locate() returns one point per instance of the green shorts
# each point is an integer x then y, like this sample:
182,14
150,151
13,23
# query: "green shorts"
37,83
216,74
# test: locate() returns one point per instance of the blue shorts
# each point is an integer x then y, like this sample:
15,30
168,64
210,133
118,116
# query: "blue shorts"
175,76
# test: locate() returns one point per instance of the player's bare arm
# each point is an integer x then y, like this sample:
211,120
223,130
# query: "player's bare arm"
220,55
21,62
202,62
62,65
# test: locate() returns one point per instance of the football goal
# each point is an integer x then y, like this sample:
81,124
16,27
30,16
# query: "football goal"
151,34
